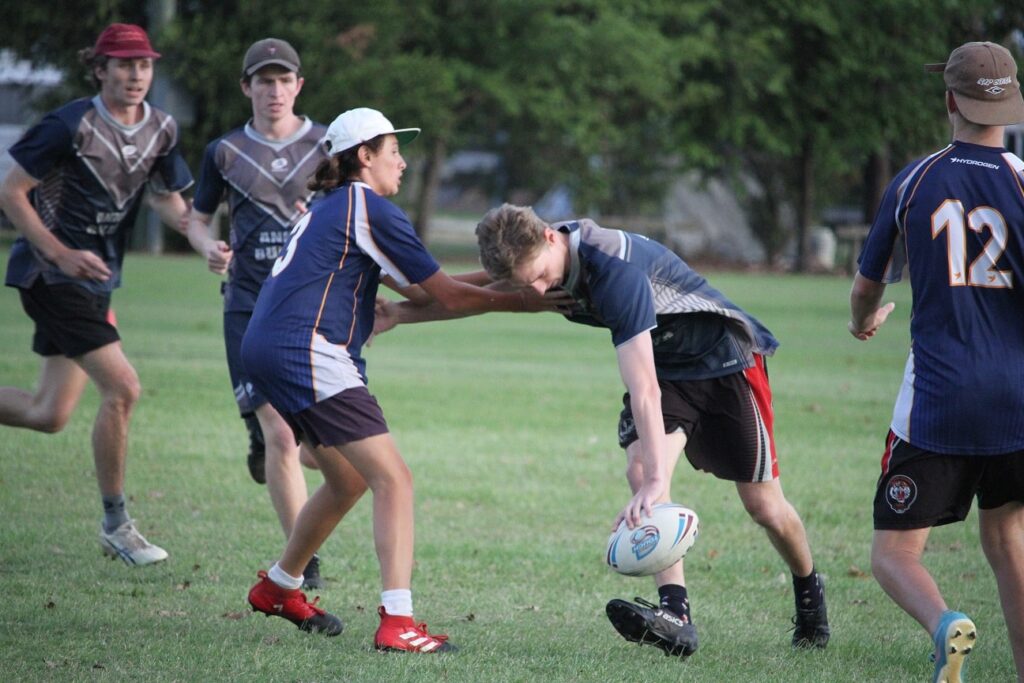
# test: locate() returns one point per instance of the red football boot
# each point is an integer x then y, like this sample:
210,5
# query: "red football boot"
402,634
269,598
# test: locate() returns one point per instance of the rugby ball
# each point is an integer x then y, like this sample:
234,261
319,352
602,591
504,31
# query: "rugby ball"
657,543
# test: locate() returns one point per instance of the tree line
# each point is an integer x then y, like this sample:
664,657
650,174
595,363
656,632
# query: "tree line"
799,104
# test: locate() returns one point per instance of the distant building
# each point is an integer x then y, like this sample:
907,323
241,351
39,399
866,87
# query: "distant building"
20,83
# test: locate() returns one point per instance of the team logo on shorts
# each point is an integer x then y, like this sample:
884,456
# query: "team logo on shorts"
900,493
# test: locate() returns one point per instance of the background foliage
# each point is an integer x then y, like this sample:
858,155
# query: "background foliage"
802,104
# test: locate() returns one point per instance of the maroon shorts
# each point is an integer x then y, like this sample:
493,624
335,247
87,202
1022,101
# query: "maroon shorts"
919,489
351,415
727,421
70,320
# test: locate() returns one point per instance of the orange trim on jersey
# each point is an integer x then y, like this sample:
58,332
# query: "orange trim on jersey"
327,289
920,178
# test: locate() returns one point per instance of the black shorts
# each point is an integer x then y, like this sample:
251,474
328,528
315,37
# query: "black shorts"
247,396
70,320
727,421
919,489
351,415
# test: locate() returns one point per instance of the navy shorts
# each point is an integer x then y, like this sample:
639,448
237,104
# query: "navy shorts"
351,415
70,320
247,396
919,489
728,422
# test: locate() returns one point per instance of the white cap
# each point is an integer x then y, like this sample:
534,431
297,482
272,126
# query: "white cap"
356,126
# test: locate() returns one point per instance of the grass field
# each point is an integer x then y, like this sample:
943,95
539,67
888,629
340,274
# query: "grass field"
508,423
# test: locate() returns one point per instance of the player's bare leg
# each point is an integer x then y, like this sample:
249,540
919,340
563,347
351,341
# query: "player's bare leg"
343,486
286,483
1002,539
896,565
60,386
118,384
767,506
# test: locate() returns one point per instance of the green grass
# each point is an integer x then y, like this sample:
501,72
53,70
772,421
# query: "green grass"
508,423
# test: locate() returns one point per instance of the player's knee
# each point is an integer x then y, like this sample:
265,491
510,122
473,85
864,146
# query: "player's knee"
767,513
125,393
51,421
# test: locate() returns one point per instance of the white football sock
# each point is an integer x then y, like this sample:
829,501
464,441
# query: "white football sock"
284,579
397,603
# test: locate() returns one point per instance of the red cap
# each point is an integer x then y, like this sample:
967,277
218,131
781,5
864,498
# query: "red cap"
124,41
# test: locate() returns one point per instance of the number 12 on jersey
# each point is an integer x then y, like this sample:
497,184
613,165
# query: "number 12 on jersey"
982,272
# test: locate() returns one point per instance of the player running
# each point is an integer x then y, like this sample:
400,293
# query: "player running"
73,193
262,169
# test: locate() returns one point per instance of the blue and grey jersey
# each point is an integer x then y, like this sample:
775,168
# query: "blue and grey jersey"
630,284
955,221
262,179
92,171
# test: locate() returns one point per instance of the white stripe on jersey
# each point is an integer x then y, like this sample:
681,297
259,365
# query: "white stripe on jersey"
364,237
332,368
904,401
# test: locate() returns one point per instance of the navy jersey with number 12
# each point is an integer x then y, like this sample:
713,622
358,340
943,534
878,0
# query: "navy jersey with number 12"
955,220
316,308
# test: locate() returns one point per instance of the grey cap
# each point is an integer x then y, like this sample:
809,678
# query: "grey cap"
270,51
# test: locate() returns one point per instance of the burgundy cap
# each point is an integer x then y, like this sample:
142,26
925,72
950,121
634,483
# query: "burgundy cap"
124,41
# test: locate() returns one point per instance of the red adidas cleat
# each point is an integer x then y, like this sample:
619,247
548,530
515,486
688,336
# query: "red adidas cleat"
402,634
269,598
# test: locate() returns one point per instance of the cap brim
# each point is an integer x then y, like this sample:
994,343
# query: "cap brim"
935,68
405,135
132,54
268,62
1002,113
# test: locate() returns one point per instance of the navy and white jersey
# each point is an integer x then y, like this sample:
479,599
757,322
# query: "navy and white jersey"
955,219
92,171
316,307
630,284
261,179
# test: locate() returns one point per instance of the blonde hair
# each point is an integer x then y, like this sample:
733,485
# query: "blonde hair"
507,236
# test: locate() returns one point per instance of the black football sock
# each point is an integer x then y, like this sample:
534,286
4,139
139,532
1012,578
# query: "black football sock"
807,590
114,512
673,599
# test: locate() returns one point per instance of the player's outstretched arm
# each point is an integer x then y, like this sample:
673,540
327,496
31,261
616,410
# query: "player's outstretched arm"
866,316
636,365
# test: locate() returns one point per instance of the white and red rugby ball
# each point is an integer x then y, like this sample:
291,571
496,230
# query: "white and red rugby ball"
656,543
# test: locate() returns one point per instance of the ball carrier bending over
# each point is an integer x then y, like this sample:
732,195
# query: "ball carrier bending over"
694,368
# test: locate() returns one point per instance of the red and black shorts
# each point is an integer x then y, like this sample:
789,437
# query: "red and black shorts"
351,415
919,489
70,320
727,421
